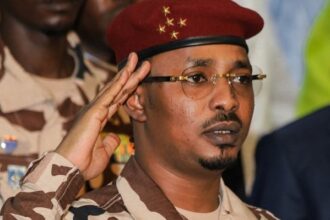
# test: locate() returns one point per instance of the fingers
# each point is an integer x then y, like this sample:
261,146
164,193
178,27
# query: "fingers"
82,145
101,155
131,63
124,83
133,82
110,143
104,106
123,75
117,92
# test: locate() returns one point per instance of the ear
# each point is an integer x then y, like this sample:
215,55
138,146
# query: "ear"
134,106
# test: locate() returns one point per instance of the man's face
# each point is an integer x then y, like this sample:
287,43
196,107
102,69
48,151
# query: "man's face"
204,133
50,16
96,16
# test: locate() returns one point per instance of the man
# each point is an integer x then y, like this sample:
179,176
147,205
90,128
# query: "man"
292,169
100,58
42,82
190,116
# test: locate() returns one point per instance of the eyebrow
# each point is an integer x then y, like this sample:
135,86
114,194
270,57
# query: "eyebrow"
242,64
208,62
199,61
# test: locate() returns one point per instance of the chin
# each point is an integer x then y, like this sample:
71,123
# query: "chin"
217,163
223,160
54,30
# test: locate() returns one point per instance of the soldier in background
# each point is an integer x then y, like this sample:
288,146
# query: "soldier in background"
91,27
42,81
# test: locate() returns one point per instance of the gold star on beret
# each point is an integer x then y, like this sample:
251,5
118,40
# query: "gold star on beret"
170,21
182,22
174,35
166,10
161,29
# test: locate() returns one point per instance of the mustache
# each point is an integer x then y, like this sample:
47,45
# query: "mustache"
222,117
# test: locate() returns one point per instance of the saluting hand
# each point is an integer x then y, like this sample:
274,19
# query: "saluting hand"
83,145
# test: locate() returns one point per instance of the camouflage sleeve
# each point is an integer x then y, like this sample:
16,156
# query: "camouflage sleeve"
49,187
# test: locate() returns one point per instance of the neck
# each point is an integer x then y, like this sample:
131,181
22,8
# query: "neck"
37,52
193,193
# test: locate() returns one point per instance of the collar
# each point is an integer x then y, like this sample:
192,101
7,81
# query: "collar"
142,196
233,207
145,200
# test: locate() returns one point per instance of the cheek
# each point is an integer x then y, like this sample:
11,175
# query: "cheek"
246,110
176,111
187,120
186,112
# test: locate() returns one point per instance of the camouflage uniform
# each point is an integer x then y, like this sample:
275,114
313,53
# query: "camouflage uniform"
132,196
31,113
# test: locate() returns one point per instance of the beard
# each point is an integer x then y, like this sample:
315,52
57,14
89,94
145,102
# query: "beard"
219,162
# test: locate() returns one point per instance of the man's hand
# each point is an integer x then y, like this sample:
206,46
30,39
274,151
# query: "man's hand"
83,145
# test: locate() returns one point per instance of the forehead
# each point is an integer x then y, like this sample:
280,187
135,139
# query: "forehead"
213,55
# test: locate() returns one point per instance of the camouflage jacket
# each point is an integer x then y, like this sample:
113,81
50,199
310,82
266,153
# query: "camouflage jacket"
49,189
35,118
30,111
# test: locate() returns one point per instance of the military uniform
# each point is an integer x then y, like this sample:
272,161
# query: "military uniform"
24,95
36,116
134,195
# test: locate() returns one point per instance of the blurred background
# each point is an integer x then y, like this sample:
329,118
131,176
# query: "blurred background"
293,51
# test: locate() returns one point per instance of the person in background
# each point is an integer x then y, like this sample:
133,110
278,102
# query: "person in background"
292,161
91,27
191,101
42,82
292,169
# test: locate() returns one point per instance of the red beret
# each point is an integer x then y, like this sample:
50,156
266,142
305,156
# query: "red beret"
151,27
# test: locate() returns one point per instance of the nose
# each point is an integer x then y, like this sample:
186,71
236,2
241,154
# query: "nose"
223,96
